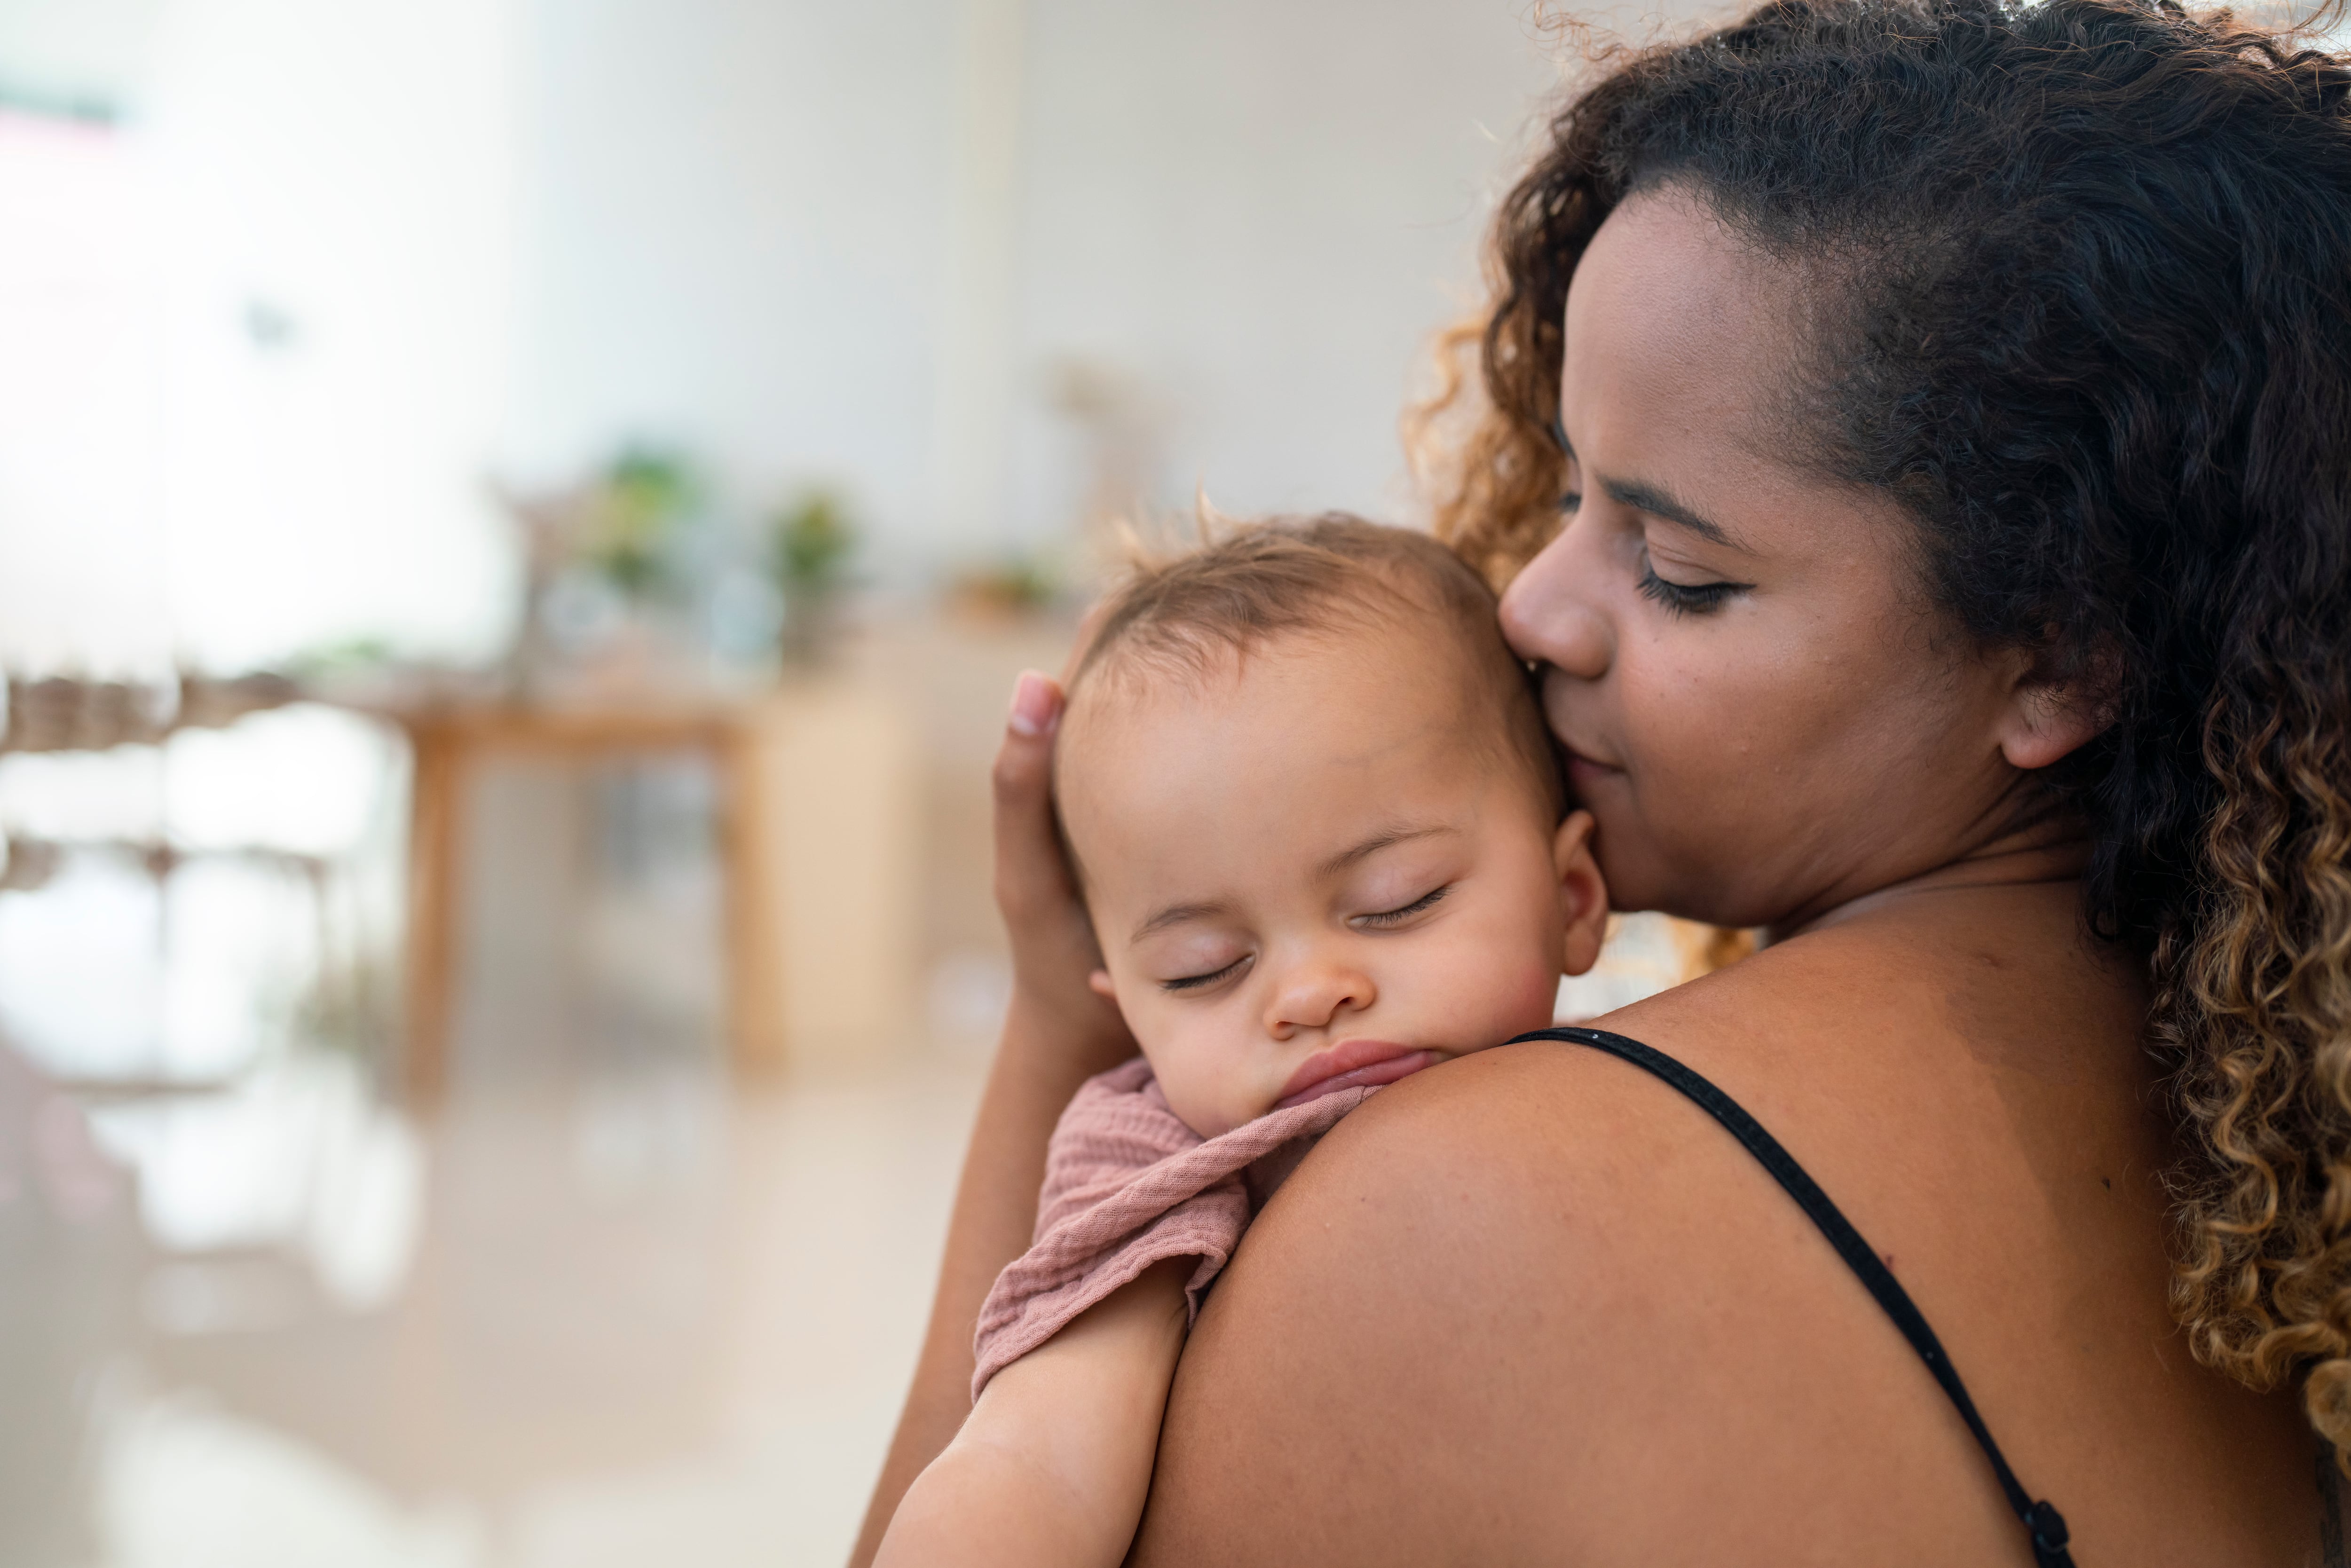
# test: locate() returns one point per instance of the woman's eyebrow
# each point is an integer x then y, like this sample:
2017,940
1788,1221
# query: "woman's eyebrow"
1658,503
1650,498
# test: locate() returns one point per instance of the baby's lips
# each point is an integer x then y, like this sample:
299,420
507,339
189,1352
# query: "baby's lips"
1352,1064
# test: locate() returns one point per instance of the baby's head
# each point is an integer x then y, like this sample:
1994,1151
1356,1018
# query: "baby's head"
1321,834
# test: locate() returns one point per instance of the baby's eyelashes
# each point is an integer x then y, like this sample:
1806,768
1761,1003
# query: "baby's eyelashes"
1200,982
1385,919
1203,965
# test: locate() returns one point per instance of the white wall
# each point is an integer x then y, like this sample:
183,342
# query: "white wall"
345,166
752,227
254,387
804,239
1261,211
732,215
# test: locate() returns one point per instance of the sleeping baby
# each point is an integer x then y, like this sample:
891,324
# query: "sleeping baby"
1324,845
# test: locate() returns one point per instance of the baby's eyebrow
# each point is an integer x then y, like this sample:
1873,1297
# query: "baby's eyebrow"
1385,838
1174,914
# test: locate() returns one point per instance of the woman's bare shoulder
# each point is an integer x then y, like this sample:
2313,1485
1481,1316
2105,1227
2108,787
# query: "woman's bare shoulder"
1534,1306
1384,1317
1476,1315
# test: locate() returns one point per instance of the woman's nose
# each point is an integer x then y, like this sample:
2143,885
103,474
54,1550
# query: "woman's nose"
1313,994
1548,615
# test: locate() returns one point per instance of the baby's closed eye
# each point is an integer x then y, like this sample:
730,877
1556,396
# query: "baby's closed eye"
1385,919
1194,982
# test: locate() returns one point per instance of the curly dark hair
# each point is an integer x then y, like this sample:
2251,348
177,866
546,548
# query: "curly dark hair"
2084,271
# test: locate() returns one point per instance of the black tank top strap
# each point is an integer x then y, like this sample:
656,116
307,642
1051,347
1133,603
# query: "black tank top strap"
2042,1521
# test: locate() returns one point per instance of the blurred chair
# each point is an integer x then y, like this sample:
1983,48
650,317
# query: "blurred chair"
54,714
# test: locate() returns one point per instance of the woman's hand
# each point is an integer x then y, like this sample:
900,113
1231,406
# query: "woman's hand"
1053,946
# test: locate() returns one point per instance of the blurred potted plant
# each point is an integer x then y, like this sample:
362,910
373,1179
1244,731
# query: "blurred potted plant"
634,519
1011,587
601,560
810,544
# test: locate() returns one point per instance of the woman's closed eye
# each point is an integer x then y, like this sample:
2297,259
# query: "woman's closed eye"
1684,597
1386,919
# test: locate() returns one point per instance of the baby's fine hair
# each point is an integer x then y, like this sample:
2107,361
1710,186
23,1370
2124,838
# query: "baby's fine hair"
1180,616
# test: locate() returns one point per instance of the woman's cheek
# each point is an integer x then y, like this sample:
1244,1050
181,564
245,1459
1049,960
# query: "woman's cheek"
1682,763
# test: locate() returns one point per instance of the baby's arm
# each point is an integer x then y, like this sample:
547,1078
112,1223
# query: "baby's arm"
1052,1467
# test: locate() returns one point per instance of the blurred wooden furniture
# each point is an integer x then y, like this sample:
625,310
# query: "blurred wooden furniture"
450,741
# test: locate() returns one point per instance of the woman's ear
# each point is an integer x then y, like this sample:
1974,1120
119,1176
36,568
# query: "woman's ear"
1582,896
1099,983
2048,720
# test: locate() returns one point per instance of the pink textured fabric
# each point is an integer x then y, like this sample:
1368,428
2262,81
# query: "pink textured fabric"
1127,1184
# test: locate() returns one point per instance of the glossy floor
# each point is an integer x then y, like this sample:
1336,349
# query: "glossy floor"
601,1308
626,1317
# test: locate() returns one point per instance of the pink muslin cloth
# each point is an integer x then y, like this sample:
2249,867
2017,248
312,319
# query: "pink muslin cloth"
1127,1184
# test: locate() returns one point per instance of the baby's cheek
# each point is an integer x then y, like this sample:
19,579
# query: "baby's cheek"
1522,996
1514,952
1196,1093
1539,1004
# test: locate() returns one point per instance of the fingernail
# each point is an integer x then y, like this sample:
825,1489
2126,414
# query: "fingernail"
1034,709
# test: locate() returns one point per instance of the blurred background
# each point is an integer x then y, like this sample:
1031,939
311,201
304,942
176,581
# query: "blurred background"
517,522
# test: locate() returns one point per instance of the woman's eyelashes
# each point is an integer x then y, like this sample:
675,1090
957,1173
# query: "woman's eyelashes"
1684,598
1679,598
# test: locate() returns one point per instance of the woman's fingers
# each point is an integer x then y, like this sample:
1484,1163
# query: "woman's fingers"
1052,941
1031,878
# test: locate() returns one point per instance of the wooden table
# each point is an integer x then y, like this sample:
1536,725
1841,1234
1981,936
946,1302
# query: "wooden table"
451,741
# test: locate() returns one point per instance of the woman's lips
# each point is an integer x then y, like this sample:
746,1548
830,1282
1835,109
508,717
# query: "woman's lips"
1351,1065
1582,769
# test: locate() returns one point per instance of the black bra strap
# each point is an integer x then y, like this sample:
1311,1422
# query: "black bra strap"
2042,1521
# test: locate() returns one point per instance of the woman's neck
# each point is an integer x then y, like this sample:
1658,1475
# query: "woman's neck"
2047,854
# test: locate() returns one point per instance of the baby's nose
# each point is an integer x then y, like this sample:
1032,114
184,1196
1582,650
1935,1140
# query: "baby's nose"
1313,995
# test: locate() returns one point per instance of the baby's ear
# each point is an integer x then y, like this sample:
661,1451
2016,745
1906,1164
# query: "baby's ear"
1582,896
1099,983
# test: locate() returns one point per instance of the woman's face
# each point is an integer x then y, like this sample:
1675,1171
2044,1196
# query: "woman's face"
1764,711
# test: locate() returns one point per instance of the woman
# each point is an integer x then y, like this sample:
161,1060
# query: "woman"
1952,406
